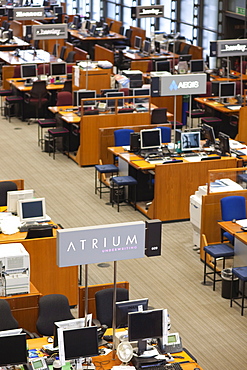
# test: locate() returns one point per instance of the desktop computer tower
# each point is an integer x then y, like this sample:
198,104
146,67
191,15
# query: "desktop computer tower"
153,238
134,142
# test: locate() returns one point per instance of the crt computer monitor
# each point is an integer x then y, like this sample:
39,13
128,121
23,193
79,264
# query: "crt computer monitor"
31,210
140,92
163,65
197,66
14,196
58,69
146,47
227,89
190,141
13,350
28,70
224,144
82,342
137,43
150,139
85,94
123,308
209,135
143,325
111,103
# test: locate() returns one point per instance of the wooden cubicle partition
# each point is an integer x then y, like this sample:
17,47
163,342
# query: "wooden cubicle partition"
94,79
137,31
19,183
242,125
101,53
49,45
80,54
168,102
195,51
92,289
115,26
141,65
17,28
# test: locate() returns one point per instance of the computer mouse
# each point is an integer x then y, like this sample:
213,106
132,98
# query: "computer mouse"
55,226
50,340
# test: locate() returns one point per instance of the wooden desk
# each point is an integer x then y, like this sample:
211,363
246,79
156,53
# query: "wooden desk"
24,308
173,184
46,276
26,56
161,56
92,79
15,43
20,85
213,104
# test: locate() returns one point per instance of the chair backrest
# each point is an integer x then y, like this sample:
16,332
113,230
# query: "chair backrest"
104,301
159,115
43,69
6,186
67,86
64,98
55,50
52,308
165,134
38,90
128,34
17,71
40,232
7,320
121,30
122,137
62,52
71,57
233,207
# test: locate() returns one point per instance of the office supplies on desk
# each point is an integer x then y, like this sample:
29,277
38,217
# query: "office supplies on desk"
233,107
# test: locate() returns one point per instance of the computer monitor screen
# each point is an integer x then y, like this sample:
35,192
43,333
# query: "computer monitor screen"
14,196
88,25
185,57
141,92
146,47
111,102
227,89
76,21
28,70
196,65
163,65
224,144
81,342
31,210
70,324
58,69
2,11
209,135
93,29
145,324
103,92
58,10
13,349
190,141
125,307
150,139
85,94
137,42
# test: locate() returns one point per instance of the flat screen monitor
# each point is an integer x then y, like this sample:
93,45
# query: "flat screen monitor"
224,144
31,210
145,325
209,135
28,70
85,94
197,65
2,11
123,308
76,21
70,324
88,25
13,349
111,103
137,43
227,89
58,10
81,342
185,57
14,196
190,141
103,92
58,69
163,65
93,29
140,92
150,139
146,47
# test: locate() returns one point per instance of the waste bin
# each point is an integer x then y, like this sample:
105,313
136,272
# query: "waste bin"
117,192
227,283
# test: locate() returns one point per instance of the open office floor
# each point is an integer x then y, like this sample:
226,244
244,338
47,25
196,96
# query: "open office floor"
213,332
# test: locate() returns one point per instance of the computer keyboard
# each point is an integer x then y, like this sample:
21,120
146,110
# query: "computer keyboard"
237,152
58,83
201,154
26,227
168,366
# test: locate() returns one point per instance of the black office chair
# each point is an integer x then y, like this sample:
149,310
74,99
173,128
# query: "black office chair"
62,52
6,186
104,301
52,308
159,115
40,232
67,86
71,57
122,44
38,96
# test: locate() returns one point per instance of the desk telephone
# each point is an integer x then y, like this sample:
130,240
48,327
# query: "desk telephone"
38,364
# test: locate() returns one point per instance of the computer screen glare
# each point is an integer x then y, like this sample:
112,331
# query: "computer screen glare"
190,141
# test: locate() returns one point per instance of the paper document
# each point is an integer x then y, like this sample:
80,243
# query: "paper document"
236,145
242,223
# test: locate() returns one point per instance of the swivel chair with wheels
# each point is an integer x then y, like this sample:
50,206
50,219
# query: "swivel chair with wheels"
64,98
6,186
38,97
122,137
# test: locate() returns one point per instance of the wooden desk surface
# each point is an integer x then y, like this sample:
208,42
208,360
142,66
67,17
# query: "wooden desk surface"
234,229
114,36
216,105
16,42
161,56
237,77
20,85
27,56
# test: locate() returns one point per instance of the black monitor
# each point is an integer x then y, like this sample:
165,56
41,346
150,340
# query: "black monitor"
13,349
88,25
111,103
123,308
137,43
58,10
208,133
85,94
146,47
163,65
150,139
93,29
140,92
224,144
81,342
103,92
2,11
28,70
58,69
145,325
105,29
76,22
185,57
227,89
197,66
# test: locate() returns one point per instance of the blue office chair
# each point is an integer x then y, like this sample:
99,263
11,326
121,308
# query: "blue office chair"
165,134
122,137
232,208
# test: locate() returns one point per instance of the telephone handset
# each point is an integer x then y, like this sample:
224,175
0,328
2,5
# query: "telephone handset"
38,364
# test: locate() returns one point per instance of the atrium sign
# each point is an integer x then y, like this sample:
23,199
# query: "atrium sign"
104,243
149,11
231,48
28,13
50,31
